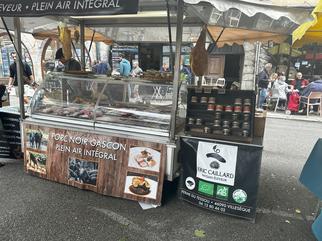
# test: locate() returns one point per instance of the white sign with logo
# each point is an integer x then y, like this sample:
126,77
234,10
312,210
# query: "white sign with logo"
217,162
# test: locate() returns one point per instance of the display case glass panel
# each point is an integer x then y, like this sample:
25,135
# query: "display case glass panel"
64,97
134,101
115,101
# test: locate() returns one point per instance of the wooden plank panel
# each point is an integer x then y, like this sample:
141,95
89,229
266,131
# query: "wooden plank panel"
72,154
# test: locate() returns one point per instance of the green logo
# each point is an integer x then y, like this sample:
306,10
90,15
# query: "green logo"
206,188
240,196
222,192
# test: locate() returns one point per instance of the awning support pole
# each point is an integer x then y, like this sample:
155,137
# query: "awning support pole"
19,64
256,60
17,46
82,42
90,46
289,63
19,67
170,36
75,51
176,77
315,50
222,31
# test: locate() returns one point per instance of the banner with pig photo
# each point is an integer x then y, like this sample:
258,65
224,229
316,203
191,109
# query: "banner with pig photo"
109,165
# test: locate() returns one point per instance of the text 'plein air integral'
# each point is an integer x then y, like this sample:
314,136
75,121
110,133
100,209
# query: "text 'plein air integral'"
59,5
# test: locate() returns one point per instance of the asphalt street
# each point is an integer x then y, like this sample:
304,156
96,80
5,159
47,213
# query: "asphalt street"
35,209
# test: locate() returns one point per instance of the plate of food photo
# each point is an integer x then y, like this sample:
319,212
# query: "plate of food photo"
145,158
141,186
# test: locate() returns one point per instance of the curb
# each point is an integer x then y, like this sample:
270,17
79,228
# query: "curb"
294,117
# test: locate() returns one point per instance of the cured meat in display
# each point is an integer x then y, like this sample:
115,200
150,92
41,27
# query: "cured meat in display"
199,55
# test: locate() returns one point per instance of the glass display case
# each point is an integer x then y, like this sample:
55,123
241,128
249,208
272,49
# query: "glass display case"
105,101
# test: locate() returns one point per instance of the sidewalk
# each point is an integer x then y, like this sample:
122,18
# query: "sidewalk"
282,115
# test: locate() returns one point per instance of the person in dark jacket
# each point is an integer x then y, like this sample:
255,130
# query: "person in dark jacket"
299,83
76,87
70,64
263,81
28,77
315,86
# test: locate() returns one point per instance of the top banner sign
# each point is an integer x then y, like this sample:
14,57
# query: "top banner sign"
33,8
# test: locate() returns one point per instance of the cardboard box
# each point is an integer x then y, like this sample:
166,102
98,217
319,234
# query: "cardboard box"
260,123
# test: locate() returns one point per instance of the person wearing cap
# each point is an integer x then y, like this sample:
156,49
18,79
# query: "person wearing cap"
70,64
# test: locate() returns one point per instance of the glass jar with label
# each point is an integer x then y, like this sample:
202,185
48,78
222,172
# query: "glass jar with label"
199,122
211,100
226,131
204,99
226,124
194,99
191,121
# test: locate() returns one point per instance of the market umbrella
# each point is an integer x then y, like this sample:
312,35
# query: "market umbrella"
232,36
286,49
283,3
89,35
309,32
239,21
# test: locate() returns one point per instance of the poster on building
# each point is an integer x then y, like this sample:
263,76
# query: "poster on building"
33,8
220,176
113,166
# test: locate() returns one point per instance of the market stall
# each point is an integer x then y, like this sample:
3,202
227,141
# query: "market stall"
120,136
222,145
91,132
221,153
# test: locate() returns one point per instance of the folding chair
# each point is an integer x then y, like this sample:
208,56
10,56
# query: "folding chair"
314,99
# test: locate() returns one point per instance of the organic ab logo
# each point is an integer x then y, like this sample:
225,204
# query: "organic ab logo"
215,164
222,192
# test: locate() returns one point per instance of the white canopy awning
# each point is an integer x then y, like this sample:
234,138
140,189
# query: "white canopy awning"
298,12
283,3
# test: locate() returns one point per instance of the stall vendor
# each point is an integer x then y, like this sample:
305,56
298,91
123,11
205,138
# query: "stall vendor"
70,64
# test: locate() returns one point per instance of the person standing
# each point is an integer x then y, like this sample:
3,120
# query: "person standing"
136,70
280,90
125,66
263,81
76,87
27,73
